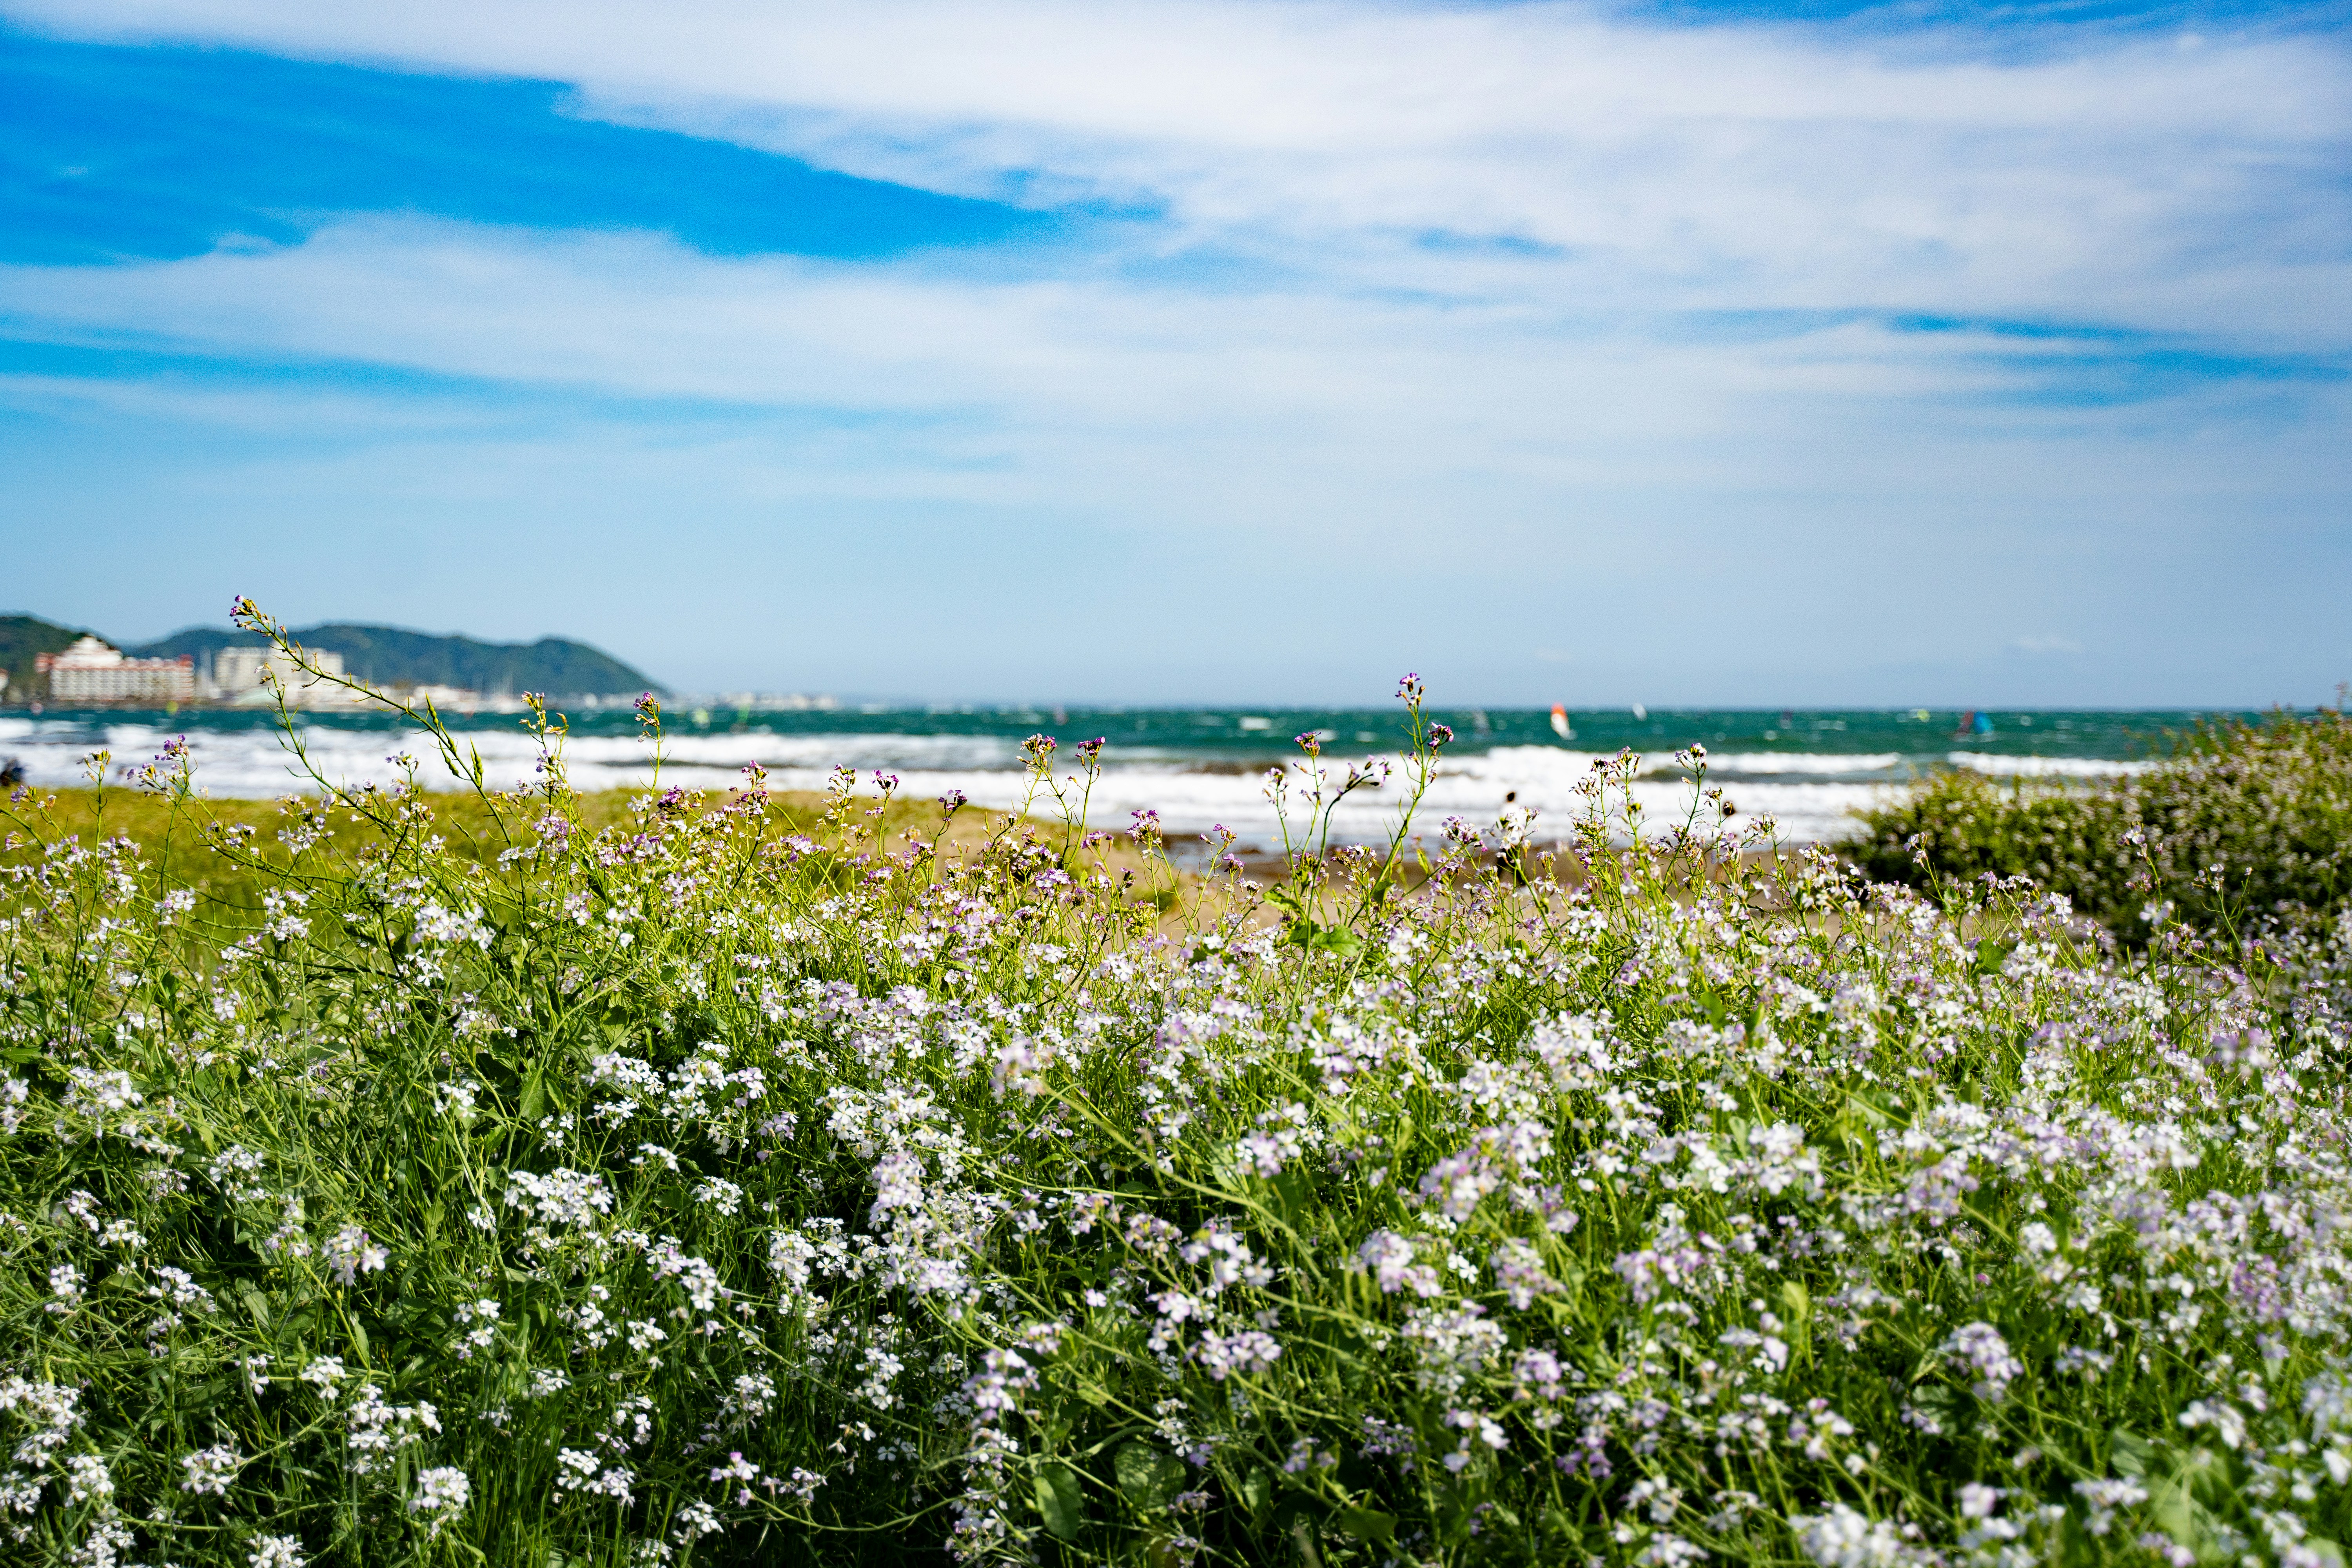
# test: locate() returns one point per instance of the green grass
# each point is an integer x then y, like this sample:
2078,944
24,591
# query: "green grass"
182,842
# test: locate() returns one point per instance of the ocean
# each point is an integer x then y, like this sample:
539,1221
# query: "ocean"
1808,769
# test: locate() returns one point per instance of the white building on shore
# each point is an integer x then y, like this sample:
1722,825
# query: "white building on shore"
241,675
91,671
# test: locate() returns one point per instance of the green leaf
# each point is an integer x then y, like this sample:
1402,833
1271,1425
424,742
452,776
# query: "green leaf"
1338,940
534,1096
1060,1500
1366,1524
1307,932
1799,1303
1294,1195
1147,1479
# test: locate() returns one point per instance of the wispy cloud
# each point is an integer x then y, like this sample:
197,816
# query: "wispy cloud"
2045,644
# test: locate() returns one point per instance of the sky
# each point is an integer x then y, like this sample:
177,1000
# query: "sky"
1139,352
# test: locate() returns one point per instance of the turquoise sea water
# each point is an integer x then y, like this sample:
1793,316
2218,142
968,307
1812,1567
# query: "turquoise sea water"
1195,766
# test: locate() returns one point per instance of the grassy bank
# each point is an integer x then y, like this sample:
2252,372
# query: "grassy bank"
713,1183
229,852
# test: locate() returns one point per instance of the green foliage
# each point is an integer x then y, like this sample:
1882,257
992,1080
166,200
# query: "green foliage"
22,639
682,1190
2246,824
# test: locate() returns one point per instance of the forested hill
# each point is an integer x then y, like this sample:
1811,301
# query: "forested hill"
23,638
390,655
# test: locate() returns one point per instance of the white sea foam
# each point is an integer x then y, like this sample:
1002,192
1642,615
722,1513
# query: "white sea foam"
1811,795
1720,765
2046,767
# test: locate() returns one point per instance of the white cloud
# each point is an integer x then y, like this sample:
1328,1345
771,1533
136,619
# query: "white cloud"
1513,386
1327,413
2113,176
2045,644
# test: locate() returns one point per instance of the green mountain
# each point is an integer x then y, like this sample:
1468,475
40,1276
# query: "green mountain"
392,656
22,637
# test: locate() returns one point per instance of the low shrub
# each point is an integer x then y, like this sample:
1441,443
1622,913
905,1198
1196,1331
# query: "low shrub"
2246,825
687,1193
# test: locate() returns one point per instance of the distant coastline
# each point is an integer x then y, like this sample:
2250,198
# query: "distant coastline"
53,665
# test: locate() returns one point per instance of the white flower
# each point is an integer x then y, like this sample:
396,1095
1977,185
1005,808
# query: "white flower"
696,1520
1982,1347
380,1431
1220,1355
276,1552
560,1197
1453,1346
351,1253
2229,1422
1844,1539
442,1494
65,1284
210,1470
88,1479
324,1372
1390,1259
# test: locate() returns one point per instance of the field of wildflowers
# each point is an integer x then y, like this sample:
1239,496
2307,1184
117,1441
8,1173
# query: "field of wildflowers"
691,1190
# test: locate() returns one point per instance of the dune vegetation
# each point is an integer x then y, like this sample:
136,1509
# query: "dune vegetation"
2243,826
686,1187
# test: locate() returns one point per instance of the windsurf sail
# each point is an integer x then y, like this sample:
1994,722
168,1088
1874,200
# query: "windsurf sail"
1559,724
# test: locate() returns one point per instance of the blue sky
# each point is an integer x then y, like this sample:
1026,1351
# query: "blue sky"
1183,352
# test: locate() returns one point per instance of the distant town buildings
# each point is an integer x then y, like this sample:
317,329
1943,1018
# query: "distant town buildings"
90,671
93,672
242,676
